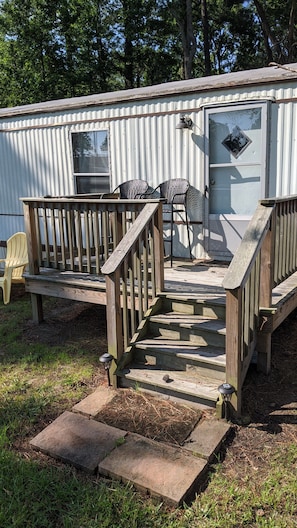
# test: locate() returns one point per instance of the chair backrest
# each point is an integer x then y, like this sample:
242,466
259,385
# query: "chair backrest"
132,189
174,191
16,253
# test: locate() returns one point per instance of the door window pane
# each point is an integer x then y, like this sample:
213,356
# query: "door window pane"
241,125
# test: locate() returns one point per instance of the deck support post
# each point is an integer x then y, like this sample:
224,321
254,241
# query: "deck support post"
114,325
264,352
233,346
266,285
37,308
31,233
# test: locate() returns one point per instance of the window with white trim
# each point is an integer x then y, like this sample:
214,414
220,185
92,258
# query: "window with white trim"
91,167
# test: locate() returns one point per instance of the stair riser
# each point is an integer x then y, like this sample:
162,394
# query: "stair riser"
172,362
194,335
166,391
205,310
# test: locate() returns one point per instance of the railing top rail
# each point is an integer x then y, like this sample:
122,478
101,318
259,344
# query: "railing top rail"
272,201
129,239
62,200
249,248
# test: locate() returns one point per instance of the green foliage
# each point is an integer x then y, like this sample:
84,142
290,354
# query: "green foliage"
51,49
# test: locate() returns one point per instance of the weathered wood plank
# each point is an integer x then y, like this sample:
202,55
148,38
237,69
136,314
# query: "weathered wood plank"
244,258
65,291
234,345
114,323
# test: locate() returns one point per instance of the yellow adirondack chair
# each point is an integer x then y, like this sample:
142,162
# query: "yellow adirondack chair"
15,262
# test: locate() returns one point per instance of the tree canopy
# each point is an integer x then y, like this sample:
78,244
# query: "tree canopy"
52,49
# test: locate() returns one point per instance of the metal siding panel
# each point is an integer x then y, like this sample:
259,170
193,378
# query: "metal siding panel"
37,161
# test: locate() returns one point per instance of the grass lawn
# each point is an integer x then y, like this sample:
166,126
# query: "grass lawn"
47,369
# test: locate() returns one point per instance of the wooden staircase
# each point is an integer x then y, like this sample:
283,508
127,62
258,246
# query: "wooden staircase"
180,352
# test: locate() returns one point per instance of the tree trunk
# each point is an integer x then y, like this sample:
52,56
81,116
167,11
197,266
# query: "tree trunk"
291,53
205,25
274,51
185,23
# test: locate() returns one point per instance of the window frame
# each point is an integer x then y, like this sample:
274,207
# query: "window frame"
83,183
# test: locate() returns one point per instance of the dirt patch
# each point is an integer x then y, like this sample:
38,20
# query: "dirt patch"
161,420
68,322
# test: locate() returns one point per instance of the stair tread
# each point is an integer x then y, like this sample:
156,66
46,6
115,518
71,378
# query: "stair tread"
184,349
189,321
179,381
199,298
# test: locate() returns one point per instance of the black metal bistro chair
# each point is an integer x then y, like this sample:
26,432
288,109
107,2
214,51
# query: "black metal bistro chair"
174,193
132,189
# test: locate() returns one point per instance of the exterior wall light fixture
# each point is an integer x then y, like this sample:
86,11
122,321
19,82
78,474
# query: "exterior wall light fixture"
106,359
184,122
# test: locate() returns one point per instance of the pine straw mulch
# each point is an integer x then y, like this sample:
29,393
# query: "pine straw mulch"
158,419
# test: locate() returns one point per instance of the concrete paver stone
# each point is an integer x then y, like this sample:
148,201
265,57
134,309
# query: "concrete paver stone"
157,468
92,404
77,440
170,473
206,438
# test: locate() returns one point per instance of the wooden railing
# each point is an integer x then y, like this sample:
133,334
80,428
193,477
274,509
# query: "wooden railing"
78,233
266,257
121,239
134,274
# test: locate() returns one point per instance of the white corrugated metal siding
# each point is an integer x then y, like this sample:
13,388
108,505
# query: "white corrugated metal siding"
36,159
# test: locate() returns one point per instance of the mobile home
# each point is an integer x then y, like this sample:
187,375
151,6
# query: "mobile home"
231,136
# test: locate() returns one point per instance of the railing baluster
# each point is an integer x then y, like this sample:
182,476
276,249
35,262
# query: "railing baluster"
54,234
70,241
87,242
145,266
97,241
37,230
46,236
132,295
62,236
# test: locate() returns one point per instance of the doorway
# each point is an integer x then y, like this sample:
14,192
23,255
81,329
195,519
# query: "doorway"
235,173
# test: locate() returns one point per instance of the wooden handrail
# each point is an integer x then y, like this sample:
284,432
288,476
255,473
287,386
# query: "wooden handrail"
134,274
249,248
266,257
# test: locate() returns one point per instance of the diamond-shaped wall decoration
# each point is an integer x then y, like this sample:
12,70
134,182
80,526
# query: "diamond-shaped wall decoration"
236,142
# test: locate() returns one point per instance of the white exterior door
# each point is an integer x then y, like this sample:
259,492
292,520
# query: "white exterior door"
236,138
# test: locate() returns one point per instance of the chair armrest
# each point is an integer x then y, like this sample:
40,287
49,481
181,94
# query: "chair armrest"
179,194
18,265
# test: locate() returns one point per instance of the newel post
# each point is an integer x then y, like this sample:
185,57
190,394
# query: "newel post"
234,346
33,256
265,301
114,321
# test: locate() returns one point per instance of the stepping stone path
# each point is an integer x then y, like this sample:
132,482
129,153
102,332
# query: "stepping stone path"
172,474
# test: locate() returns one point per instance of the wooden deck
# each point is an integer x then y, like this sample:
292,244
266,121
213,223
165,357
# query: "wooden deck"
205,280
112,252
202,280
